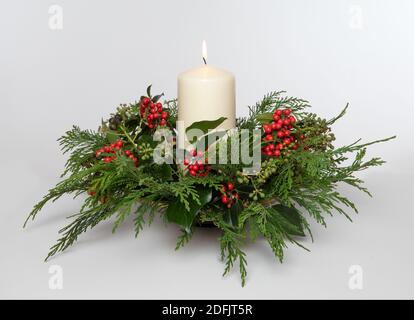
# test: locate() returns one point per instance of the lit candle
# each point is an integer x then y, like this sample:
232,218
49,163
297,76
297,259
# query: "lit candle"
206,93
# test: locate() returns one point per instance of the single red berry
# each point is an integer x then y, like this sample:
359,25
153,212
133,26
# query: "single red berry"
193,173
281,146
150,117
276,117
291,139
153,110
230,186
224,199
287,112
269,137
280,134
228,205
150,125
152,105
276,153
274,126
127,153
269,153
107,149
107,159
267,128
286,122
292,119
97,153
164,115
295,146
278,112
156,115
113,145
163,122
146,100
195,167
186,162
302,137
131,156
286,141
159,105
271,146
280,122
193,153
119,143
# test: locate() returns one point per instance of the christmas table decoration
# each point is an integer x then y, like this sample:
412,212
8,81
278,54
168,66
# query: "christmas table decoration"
300,170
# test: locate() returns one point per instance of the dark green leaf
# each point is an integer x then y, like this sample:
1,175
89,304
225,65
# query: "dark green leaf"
177,213
157,97
205,125
231,216
289,219
265,117
162,171
149,90
112,136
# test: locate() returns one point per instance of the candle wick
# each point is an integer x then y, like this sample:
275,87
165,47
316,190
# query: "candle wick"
204,59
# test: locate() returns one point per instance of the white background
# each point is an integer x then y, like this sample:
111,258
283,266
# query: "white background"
329,52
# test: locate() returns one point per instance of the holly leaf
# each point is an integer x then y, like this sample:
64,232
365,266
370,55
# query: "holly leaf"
112,136
265,117
204,126
162,171
289,219
157,97
177,212
231,216
149,90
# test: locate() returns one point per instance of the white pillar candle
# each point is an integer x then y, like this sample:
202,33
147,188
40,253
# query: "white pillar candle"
206,93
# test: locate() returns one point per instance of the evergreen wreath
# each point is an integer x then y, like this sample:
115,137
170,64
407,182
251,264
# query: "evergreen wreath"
299,174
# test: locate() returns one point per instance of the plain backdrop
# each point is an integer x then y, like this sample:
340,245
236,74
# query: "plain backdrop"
107,52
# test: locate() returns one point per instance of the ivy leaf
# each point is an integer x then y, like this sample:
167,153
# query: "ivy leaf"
157,97
265,117
204,126
177,212
289,219
149,90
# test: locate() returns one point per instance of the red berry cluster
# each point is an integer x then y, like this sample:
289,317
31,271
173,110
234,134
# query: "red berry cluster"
228,195
153,113
111,149
195,164
278,134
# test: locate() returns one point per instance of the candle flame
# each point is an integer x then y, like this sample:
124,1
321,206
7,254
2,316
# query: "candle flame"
204,51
